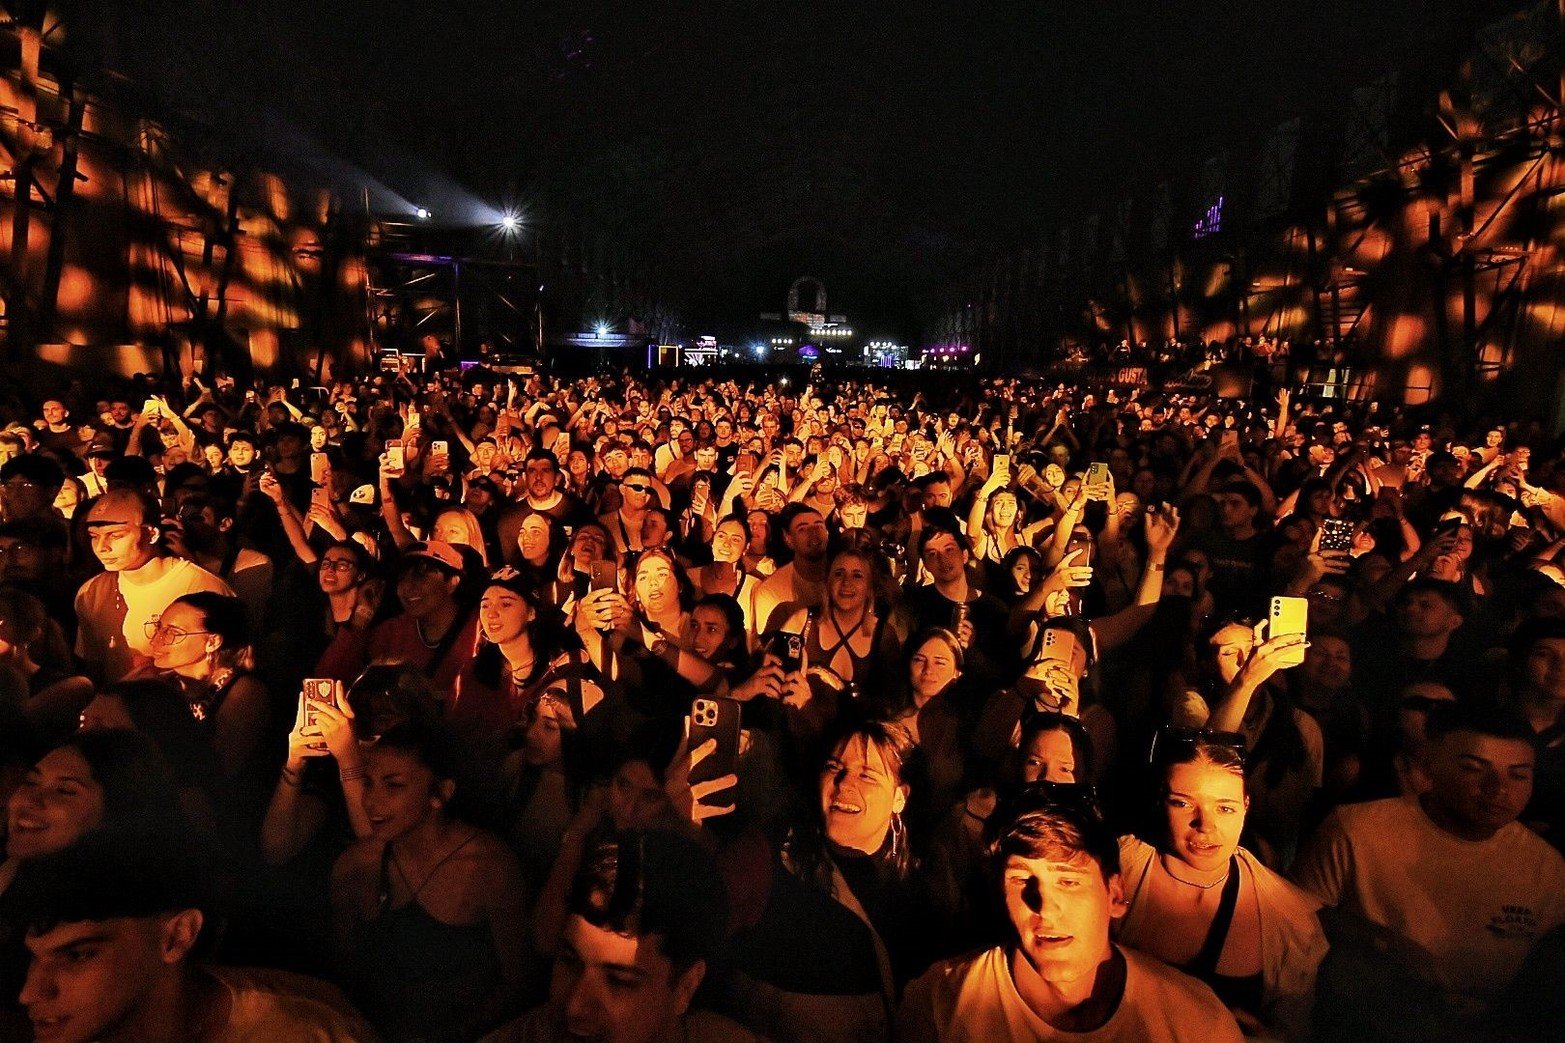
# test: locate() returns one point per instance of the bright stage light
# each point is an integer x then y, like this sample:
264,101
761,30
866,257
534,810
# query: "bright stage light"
423,213
603,329
510,222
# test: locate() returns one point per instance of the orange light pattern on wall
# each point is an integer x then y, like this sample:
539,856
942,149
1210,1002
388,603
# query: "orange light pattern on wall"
148,269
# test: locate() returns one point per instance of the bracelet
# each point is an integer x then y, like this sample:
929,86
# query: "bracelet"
351,774
292,777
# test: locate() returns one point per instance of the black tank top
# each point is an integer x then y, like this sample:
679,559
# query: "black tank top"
1238,992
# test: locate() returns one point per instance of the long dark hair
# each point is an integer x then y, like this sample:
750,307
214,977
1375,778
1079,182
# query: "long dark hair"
544,631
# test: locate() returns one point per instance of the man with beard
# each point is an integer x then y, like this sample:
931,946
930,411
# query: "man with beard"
803,580
543,495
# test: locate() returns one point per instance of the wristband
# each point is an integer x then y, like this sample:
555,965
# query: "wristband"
292,777
351,774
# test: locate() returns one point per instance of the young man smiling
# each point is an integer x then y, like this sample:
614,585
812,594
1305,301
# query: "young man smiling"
1061,977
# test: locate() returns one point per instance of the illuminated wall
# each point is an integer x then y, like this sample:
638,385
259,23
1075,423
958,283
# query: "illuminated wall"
1422,236
149,257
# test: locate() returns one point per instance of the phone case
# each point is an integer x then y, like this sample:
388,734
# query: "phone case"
1336,535
315,691
605,575
789,648
394,458
714,718
1289,616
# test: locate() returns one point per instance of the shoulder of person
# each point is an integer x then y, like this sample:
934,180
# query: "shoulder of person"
1135,855
250,559
273,1005
1276,892
705,1026
1152,982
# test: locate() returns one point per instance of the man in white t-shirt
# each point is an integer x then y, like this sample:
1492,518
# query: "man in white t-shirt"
1061,978
137,584
1439,899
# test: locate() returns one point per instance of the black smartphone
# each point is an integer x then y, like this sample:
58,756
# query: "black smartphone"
714,718
787,648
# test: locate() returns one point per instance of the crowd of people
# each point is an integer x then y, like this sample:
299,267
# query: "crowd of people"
458,706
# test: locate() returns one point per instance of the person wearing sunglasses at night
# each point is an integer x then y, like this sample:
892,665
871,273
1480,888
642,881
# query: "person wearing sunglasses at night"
1199,902
625,526
1060,976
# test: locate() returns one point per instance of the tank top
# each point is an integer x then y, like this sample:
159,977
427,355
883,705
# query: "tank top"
1239,992
420,976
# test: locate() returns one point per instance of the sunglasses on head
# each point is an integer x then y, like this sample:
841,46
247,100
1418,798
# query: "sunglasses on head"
1169,735
1080,798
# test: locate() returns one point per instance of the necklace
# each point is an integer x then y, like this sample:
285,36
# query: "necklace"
1163,861
385,897
418,624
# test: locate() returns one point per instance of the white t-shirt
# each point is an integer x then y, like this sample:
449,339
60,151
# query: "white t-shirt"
146,592
972,999
1471,910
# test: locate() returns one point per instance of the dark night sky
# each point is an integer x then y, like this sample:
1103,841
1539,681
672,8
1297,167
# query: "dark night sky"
879,146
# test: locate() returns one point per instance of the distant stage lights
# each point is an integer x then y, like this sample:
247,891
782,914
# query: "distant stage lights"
423,213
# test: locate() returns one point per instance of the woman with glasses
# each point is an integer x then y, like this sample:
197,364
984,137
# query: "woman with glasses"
202,642
1201,903
348,577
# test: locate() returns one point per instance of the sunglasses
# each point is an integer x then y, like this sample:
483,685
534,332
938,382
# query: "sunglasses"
1078,797
1169,735
638,487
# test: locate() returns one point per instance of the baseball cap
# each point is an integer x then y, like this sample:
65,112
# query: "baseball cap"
437,551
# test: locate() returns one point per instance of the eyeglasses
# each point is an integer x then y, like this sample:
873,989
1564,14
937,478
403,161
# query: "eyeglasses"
637,487
157,631
1170,735
338,565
